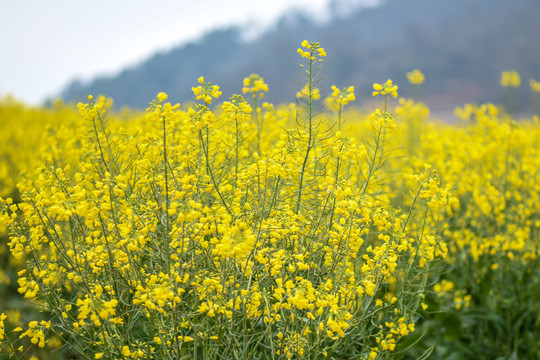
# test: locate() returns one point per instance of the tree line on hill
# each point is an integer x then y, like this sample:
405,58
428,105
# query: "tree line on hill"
462,46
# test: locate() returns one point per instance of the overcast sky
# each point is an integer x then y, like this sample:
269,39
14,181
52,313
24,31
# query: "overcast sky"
46,44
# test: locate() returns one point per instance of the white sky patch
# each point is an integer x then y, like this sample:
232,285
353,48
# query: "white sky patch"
46,44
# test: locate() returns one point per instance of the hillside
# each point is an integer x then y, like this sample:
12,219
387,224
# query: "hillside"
461,46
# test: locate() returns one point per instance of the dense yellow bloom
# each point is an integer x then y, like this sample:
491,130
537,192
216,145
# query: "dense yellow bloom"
191,226
124,211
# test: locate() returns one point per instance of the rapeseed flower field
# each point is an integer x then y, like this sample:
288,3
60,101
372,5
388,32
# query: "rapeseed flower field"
239,229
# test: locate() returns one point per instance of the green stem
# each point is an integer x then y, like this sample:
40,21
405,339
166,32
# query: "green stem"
167,204
310,136
372,161
211,173
258,122
237,149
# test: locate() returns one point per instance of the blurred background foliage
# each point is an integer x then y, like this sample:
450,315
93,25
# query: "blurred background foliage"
461,45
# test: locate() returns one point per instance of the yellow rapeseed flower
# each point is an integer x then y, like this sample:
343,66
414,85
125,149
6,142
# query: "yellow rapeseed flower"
255,84
162,97
510,79
388,88
315,93
535,85
415,77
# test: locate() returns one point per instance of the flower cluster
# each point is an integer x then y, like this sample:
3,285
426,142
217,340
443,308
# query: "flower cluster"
415,77
341,97
312,51
388,88
305,92
255,84
535,85
206,91
510,79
